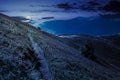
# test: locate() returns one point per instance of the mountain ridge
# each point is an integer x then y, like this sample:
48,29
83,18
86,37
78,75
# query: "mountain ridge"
19,58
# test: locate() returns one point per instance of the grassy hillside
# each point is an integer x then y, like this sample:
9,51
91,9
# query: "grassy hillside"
27,53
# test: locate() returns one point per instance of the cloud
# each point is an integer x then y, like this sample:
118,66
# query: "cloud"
4,10
41,5
39,11
46,10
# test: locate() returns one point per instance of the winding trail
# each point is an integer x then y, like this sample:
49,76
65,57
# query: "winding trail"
44,66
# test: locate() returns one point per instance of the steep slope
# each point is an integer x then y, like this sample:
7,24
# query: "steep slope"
27,53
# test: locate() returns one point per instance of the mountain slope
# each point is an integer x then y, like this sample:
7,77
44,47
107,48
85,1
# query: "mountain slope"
103,46
27,53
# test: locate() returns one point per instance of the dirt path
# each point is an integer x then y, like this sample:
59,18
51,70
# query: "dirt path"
44,66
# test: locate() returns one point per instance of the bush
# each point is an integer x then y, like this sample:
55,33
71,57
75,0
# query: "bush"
1,22
39,28
88,50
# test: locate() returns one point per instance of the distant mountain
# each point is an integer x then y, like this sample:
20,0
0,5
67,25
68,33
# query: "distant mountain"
27,53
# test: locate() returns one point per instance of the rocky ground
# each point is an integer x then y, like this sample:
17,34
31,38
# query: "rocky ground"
27,53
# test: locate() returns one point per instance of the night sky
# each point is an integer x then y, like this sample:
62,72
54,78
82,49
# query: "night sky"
25,7
32,8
